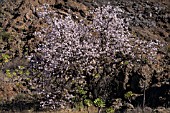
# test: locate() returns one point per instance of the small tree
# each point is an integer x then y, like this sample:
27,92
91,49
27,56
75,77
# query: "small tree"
71,50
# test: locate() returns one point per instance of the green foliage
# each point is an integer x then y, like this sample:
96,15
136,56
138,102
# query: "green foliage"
27,72
28,79
126,62
110,110
99,103
5,58
14,73
18,84
21,67
21,71
88,102
8,73
82,91
128,95
97,75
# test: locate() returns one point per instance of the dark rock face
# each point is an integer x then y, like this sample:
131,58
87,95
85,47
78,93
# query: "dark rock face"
149,20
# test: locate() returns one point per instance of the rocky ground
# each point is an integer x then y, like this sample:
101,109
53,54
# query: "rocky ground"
149,20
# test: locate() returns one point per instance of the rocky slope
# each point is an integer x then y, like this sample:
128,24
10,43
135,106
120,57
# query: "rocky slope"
149,20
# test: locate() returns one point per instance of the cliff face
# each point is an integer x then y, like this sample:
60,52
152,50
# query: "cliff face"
149,20
19,17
